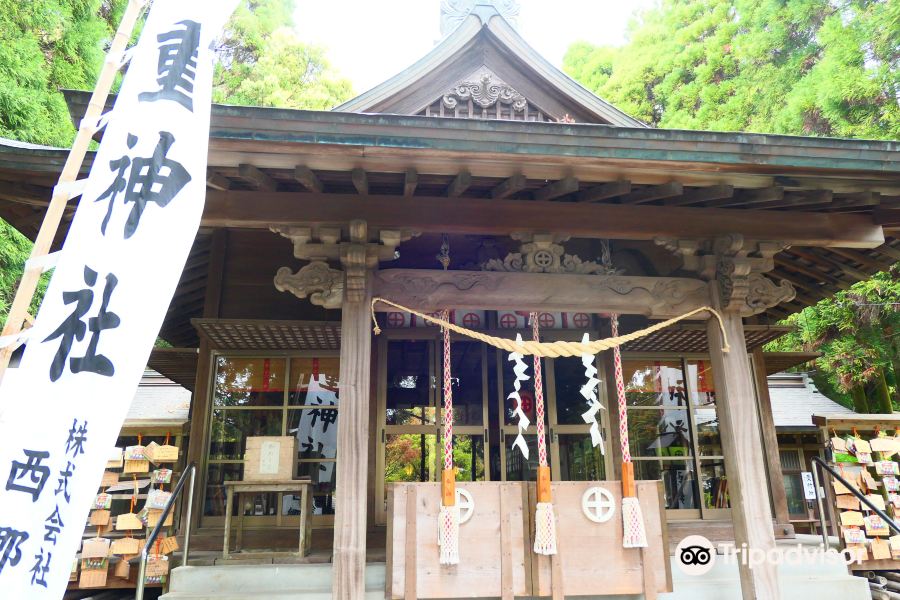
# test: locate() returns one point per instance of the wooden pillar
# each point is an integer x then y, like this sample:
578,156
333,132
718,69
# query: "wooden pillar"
200,400
349,561
744,454
770,444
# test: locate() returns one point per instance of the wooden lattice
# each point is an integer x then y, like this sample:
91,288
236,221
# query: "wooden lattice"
240,334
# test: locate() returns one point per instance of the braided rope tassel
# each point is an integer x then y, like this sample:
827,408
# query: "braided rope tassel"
448,518
544,519
634,532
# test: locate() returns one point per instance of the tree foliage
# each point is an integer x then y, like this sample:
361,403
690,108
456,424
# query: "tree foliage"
804,67
48,45
263,63
858,334
808,67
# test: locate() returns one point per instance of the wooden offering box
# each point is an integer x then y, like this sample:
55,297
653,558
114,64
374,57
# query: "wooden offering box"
495,545
270,458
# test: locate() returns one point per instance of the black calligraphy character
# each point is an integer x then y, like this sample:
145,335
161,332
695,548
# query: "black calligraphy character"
328,417
53,525
10,540
73,329
40,568
62,484
147,183
120,165
177,65
77,438
33,469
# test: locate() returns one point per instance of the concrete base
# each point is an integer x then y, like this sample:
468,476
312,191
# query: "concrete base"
828,580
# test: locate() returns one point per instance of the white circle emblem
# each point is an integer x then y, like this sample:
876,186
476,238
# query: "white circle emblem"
598,504
466,505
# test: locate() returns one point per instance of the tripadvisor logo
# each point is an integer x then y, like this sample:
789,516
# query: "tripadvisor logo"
695,555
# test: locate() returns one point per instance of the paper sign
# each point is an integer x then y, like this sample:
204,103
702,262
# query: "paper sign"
852,518
123,255
809,485
268,457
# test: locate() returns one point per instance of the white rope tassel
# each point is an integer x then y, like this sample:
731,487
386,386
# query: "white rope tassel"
448,536
635,535
544,529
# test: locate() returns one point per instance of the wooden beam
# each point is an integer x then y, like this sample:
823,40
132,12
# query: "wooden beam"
856,200
428,290
801,283
770,440
604,191
410,181
739,427
566,185
257,178
829,262
816,275
460,184
305,176
700,195
259,210
890,251
653,192
349,559
887,217
860,258
217,181
810,199
509,187
749,197
360,180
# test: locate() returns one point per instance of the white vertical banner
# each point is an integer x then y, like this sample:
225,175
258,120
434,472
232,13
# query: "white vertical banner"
62,410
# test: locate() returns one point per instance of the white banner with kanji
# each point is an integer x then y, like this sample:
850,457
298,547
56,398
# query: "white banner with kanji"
61,412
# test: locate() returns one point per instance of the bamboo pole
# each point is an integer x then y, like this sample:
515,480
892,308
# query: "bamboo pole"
18,312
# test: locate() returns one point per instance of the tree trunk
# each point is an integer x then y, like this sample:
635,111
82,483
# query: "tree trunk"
881,399
860,402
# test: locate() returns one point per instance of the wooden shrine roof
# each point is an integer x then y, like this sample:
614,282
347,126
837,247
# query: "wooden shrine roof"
691,338
271,165
178,364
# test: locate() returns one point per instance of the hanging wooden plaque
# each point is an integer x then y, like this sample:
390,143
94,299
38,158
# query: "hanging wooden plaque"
109,478
125,546
99,517
128,522
136,466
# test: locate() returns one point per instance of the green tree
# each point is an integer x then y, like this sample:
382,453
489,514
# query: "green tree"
858,334
263,63
809,67
46,45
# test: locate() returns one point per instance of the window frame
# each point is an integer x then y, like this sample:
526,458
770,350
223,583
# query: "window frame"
258,521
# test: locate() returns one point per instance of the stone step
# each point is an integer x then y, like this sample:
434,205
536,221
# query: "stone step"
267,578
